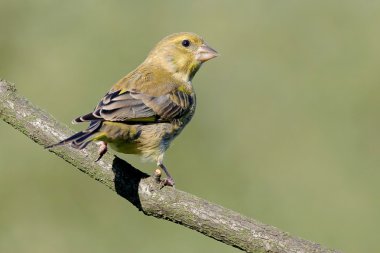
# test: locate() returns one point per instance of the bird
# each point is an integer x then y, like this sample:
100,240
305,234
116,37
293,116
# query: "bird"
144,111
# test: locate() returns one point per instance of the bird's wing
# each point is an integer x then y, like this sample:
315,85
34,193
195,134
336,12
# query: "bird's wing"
133,106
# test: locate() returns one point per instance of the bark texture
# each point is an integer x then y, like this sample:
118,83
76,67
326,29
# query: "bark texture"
145,192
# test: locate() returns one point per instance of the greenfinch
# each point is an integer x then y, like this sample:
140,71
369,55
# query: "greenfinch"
145,110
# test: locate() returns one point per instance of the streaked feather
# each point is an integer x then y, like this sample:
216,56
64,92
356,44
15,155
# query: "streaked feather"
134,106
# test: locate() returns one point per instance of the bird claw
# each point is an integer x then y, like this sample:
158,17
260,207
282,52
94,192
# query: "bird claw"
167,182
102,150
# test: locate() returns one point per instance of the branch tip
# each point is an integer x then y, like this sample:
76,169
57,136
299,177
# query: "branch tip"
4,85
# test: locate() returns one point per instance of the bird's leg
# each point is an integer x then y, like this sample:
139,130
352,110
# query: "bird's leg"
102,149
169,181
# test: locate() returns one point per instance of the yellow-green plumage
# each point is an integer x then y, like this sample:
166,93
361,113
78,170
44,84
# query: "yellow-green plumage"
144,111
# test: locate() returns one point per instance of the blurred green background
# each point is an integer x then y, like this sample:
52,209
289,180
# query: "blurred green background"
286,129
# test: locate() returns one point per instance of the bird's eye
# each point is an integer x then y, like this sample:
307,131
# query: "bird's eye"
185,43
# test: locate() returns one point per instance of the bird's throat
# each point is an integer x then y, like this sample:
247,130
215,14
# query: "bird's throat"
187,71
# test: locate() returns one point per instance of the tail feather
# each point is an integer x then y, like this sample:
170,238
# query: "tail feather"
80,140
85,118
80,145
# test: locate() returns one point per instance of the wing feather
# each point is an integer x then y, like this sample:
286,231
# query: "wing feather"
139,107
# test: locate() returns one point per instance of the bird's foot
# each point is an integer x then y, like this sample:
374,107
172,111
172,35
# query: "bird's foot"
167,182
163,182
102,149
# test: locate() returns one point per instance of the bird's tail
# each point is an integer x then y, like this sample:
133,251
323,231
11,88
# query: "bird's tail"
81,139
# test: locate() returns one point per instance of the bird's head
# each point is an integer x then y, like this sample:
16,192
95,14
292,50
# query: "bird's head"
181,54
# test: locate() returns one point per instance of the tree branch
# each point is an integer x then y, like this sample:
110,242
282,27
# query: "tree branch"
143,191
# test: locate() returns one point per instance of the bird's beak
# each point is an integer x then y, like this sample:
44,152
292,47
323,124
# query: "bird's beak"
205,53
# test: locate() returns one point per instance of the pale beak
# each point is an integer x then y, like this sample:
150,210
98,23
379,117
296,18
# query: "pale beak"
205,53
